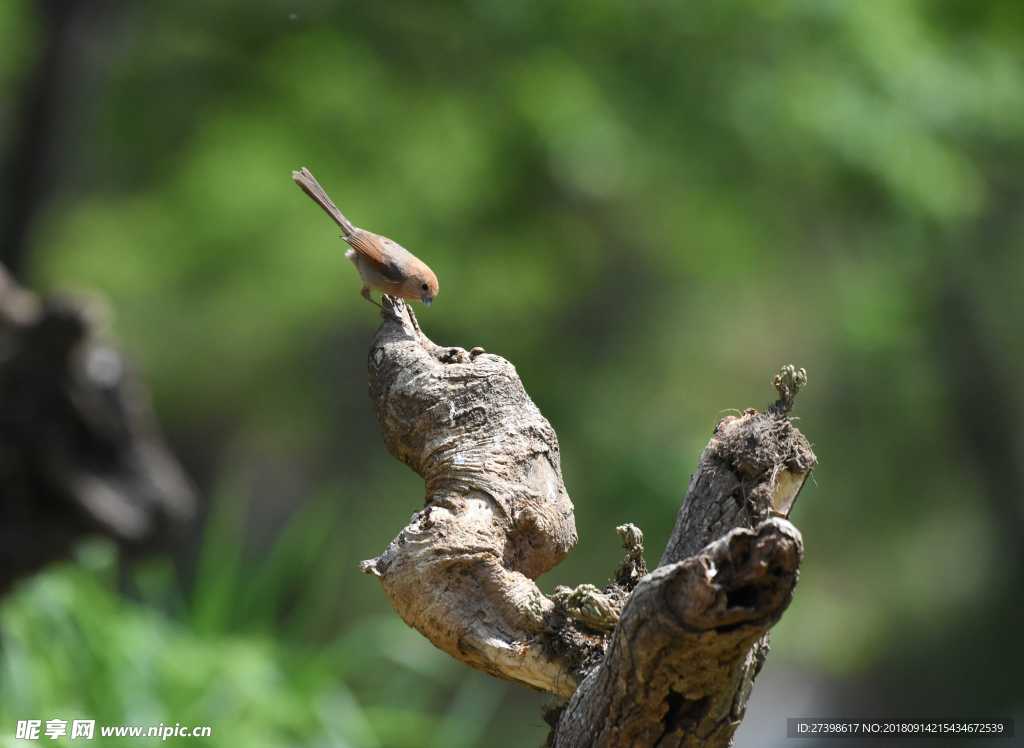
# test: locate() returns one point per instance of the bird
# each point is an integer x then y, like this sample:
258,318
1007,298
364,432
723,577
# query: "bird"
383,264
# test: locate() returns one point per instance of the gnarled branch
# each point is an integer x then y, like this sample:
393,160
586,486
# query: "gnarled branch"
681,661
664,658
497,514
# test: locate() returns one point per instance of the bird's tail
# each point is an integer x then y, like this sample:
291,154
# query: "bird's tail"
307,182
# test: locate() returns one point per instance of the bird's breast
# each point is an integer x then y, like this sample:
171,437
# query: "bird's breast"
377,277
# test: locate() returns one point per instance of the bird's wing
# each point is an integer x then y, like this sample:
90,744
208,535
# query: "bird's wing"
375,249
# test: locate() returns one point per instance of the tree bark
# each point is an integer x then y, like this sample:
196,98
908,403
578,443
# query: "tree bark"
666,658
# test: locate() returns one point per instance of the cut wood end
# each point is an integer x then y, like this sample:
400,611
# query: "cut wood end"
788,484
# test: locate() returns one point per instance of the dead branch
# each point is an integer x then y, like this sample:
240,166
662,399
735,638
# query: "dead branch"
665,658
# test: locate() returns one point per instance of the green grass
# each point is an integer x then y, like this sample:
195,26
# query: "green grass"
74,647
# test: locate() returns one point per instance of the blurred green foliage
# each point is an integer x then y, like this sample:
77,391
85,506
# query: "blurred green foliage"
73,649
647,207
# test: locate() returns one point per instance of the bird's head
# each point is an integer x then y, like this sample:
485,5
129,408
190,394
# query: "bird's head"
423,284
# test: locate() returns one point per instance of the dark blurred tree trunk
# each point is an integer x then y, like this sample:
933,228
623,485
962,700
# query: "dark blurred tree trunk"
29,163
38,155
80,453
982,398
978,389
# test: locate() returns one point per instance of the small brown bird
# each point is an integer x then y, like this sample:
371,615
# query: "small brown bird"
383,264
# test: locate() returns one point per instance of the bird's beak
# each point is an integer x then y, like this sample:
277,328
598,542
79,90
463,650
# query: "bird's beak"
427,300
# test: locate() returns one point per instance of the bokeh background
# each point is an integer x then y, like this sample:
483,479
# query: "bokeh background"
648,207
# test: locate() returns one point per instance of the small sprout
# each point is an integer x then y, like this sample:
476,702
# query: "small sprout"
789,381
632,536
633,566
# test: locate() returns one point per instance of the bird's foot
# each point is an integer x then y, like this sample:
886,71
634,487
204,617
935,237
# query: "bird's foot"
365,293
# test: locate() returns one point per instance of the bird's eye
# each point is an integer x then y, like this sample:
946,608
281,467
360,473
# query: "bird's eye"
424,287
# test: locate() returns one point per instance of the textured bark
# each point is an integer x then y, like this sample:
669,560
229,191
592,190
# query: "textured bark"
79,450
666,658
497,513
753,467
680,663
